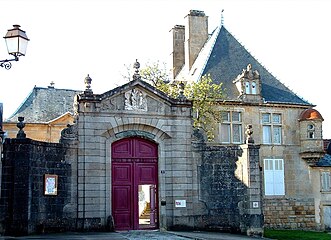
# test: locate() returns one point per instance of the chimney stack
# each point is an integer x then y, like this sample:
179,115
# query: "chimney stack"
178,54
196,33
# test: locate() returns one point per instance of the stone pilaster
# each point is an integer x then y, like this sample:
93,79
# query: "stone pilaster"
251,208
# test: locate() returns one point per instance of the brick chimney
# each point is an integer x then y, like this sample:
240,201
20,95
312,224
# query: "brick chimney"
196,33
178,54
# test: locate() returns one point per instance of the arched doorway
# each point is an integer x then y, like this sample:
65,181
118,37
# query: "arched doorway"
134,184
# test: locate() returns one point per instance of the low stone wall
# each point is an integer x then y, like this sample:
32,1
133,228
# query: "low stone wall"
289,213
24,206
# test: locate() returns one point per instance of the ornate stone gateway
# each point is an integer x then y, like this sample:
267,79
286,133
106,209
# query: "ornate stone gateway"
134,184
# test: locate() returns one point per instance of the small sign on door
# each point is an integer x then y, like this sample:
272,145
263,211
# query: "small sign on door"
180,203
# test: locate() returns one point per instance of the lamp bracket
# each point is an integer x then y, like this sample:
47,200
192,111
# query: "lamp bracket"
7,63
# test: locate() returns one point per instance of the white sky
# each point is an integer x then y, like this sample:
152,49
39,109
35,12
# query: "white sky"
72,38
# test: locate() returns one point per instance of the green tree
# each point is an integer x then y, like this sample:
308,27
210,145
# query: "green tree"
204,95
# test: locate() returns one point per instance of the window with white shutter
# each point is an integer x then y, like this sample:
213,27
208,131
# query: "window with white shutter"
274,183
325,181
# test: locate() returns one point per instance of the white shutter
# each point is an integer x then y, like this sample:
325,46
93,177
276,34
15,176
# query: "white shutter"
279,183
268,177
274,183
325,179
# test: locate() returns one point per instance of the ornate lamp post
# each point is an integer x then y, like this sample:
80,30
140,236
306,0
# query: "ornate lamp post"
17,42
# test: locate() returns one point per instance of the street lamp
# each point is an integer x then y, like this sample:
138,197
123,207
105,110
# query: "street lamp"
17,42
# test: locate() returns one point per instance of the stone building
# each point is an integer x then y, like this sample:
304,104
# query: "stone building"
46,112
287,128
132,160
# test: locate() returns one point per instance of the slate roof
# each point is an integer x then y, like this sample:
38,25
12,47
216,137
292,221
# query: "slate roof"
45,104
224,58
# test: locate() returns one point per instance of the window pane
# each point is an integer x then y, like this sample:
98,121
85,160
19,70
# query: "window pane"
266,118
268,164
278,164
310,127
225,116
225,133
276,118
277,131
266,134
236,116
248,90
253,88
237,133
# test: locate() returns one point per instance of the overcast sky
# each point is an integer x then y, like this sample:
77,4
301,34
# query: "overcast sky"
73,38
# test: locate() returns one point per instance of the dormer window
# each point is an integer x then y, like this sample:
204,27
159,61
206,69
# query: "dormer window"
311,131
248,84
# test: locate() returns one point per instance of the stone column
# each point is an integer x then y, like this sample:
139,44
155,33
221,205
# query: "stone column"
251,208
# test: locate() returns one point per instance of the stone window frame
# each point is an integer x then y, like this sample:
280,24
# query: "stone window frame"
276,128
231,123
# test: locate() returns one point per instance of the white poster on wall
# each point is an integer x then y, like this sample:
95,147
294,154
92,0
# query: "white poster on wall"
180,203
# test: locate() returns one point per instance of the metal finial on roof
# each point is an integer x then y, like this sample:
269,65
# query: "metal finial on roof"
51,85
136,74
222,18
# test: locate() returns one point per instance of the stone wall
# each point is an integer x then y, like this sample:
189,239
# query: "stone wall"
220,190
230,188
289,213
25,209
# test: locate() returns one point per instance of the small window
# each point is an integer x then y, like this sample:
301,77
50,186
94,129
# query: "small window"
276,118
225,116
311,131
266,118
236,116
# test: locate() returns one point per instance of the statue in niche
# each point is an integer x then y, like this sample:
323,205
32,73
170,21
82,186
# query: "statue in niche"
135,100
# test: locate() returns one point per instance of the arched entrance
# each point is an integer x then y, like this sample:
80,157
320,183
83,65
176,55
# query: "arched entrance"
134,184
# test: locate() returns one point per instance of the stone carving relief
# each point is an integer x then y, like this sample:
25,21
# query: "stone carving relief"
107,105
135,100
70,132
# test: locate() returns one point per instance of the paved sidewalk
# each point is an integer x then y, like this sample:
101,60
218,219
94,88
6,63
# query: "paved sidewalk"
133,235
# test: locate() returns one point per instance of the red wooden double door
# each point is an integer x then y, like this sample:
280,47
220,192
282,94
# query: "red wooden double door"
134,184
